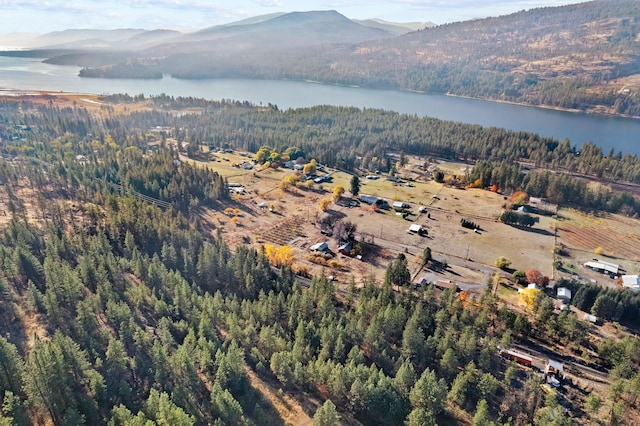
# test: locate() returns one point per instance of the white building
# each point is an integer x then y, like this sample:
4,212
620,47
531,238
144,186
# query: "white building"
632,282
564,295
604,267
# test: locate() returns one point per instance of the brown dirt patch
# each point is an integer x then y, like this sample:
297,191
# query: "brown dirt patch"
290,411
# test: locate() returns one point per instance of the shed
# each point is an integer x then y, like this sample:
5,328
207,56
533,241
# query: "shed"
564,295
591,318
415,228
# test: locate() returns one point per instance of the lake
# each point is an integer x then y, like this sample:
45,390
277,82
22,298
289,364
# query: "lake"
621,134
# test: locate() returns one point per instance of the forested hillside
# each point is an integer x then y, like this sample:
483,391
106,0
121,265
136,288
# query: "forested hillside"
578,57
351,138
583,56
119,307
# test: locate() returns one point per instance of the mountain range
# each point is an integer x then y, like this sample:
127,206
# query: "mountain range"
315,27
579,57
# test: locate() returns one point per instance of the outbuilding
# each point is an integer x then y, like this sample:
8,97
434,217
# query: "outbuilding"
346,248
564,295
322,247
554,368
603,267
400,205
415,228
631,282
370,199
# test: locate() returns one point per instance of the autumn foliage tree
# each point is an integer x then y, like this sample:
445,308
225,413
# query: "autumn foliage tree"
535,277
310,168
325,203
528,297
338,191
279,256
288,181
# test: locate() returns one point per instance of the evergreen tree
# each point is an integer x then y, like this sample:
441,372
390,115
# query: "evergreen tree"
354,185
326,415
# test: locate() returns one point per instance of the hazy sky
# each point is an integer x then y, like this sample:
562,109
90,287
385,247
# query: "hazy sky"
53,15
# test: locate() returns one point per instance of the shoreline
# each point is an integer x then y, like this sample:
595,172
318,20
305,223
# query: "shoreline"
547,107
6,92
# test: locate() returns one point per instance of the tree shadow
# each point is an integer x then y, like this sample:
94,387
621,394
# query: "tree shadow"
534,230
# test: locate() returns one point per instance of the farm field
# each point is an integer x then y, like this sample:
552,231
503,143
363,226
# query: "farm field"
617,236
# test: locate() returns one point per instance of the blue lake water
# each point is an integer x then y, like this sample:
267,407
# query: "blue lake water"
621,134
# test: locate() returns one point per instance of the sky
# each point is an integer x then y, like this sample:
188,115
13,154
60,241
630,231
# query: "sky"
42,16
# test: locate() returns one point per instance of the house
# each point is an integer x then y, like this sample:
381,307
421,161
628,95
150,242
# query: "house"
321,247
631,282
564,295
346,248
603,267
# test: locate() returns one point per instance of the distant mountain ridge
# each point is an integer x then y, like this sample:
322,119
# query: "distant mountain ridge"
579,57
398,28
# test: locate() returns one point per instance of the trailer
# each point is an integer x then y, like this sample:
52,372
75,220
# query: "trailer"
516,356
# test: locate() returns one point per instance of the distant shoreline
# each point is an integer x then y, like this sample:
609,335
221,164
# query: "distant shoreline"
549,107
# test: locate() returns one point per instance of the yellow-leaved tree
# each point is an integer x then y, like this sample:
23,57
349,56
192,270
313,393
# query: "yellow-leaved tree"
279,256
325,203
310,167
528,297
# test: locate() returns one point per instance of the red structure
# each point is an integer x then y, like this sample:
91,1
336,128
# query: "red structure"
516,356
